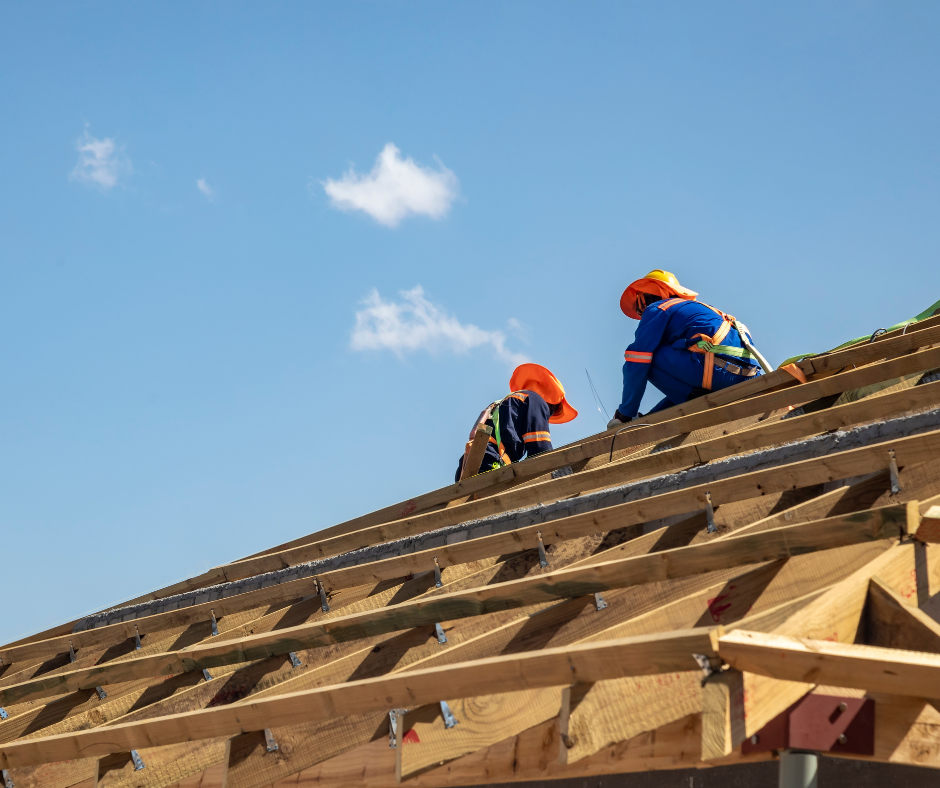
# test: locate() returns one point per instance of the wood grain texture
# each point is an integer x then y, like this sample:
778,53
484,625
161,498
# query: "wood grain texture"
868,526
481,722
548,667
890,671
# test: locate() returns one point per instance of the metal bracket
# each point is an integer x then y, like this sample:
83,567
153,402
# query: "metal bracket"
3,714
707,666
441,637
710,513
138,761
72,656
324,605
137,644
269,740
449,719
215,624
819,723
893,469
543,559
437,574
206,674
294,662
393,717
6,779
599,600
101,693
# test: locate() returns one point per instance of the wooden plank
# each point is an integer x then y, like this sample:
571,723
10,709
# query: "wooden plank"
555,626
250,765
530,756
856,462
596,716
891,671
549,667
722,714
481,721
927,528
757,437
474,456
326,547
553,460
891,622
615,609
835,615
874,525
162,765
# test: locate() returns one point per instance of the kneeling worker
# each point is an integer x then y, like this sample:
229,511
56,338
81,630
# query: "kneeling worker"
520,420
683,347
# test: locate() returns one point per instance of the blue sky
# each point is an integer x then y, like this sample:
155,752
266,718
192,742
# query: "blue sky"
182,380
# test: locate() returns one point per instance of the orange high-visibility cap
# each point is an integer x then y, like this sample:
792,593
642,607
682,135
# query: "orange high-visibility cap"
535,377
656,282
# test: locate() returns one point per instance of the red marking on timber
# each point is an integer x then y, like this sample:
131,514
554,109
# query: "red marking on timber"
716,606
910,590
411,737
408,508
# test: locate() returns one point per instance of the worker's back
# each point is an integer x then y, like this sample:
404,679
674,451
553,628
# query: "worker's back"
678,321
523,429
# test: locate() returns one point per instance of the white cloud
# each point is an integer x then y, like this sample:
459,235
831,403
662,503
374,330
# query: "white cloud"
395,188
100,162
205,188
414,323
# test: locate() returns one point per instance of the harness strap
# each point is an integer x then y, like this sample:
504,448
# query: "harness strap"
710,345
492,413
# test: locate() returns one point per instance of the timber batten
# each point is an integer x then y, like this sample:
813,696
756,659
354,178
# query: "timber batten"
649,641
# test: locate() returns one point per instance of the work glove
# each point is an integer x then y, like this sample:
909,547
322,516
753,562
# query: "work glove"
617,421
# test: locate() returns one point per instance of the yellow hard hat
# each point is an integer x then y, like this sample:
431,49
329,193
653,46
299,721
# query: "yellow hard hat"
656,282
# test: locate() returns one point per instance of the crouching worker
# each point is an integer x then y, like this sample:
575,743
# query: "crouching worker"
520,420
683,347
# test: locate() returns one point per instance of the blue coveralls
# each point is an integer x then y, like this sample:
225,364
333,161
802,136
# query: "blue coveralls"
658,354
523,430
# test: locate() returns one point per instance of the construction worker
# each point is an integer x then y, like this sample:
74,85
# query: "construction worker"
683,347
520,420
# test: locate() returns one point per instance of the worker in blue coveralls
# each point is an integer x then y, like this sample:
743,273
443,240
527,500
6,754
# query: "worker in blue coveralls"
520,421
682,346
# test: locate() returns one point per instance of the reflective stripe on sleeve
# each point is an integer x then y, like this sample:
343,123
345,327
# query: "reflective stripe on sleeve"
638,356
534,437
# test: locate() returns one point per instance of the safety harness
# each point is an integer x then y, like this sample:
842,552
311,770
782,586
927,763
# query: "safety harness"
492,412
710,345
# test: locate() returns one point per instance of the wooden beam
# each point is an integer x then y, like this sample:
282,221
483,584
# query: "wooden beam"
855,462
620,708
251,765
162,765
474,456
596,716
533,467
757,437
887,670
425,742
325,547
722,714
928,516
836,615
869,526
891,622
550,667
892,348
